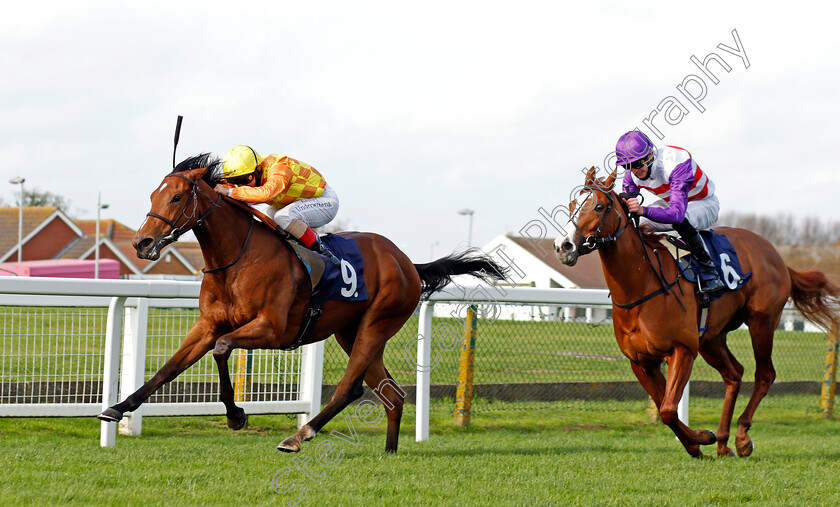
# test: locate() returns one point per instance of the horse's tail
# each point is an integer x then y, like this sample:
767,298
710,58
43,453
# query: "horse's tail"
815,296
435,275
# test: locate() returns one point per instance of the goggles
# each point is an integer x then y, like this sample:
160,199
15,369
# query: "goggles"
636,164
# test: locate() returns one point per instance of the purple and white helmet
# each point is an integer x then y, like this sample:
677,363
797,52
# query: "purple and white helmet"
632,146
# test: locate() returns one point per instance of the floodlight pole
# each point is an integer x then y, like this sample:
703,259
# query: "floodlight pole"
99,206
19,181
467,211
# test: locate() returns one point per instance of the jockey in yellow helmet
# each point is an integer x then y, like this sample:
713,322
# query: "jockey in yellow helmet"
294,194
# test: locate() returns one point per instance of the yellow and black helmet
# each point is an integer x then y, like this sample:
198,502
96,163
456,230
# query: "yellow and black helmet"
240,160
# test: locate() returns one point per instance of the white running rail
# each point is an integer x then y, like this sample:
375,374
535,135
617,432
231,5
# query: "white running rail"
62,352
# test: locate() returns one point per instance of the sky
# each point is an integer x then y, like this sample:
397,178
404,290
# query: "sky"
413,111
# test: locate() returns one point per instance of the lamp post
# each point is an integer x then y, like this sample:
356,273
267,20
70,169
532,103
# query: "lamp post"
467,211
432,250
19,181
99,206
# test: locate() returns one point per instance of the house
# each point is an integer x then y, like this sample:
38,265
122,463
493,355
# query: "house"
537,266
534,264
49,234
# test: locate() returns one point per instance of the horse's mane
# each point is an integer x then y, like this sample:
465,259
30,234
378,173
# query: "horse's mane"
651,237
208,160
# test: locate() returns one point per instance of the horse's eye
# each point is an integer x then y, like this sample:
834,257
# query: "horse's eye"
599,208
176,198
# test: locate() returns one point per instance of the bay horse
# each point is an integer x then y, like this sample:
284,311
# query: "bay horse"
256,291
651,325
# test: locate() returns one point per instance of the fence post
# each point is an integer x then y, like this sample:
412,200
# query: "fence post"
242,387
424,371
111,369
134,362
464,394
311,378
653,411
829,386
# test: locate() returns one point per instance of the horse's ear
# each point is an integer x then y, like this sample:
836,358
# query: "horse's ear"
608,183
590,176
196,174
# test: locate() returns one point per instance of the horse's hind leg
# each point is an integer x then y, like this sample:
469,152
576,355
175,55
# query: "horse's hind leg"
392,397
761,328
368,345
384,387
718,355
349,388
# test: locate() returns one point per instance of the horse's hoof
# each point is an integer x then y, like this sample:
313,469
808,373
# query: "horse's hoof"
289,445
110,415
706,437
238,422
726,452
746,450
306,433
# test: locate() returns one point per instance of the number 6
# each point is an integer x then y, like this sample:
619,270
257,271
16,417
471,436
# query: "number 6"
730,276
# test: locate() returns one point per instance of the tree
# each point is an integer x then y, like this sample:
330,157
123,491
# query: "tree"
337,226
784,229
36,197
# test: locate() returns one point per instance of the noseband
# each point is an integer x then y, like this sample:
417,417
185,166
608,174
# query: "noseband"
594,241
177,231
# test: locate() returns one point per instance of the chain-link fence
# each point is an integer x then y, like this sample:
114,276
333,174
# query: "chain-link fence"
550,353
530,353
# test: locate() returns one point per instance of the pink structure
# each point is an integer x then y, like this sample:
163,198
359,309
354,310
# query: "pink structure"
62,268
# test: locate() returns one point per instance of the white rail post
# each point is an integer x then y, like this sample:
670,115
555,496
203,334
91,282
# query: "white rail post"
424,370
134,362
111,369
311,379
682,407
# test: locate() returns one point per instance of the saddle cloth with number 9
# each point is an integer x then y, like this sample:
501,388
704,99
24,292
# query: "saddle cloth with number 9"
346,283
723,255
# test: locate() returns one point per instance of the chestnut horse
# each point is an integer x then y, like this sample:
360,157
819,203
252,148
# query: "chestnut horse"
654,327
256,291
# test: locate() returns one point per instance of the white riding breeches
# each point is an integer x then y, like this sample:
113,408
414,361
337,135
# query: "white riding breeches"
315,211
702,214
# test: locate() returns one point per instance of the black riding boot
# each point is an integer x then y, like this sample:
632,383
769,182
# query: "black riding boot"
709,279
321,248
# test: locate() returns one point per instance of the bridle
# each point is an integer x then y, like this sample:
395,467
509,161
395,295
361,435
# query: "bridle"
177,231
594,241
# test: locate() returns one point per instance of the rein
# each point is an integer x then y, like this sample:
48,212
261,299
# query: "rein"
178,231
594,242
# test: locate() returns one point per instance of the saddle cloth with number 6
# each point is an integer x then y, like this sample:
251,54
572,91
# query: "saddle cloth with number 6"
723,255
346,283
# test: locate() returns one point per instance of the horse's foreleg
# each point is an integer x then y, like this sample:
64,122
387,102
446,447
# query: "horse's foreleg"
718,355
349,388
258,333
679,371
198,342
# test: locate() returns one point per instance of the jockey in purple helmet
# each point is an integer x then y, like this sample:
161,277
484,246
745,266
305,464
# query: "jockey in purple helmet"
687,200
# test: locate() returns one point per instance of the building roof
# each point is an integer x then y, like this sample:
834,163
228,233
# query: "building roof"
116,238
9,218
586,273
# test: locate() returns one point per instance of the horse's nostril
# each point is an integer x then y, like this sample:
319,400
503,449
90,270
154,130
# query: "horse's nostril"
568,246
145,244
